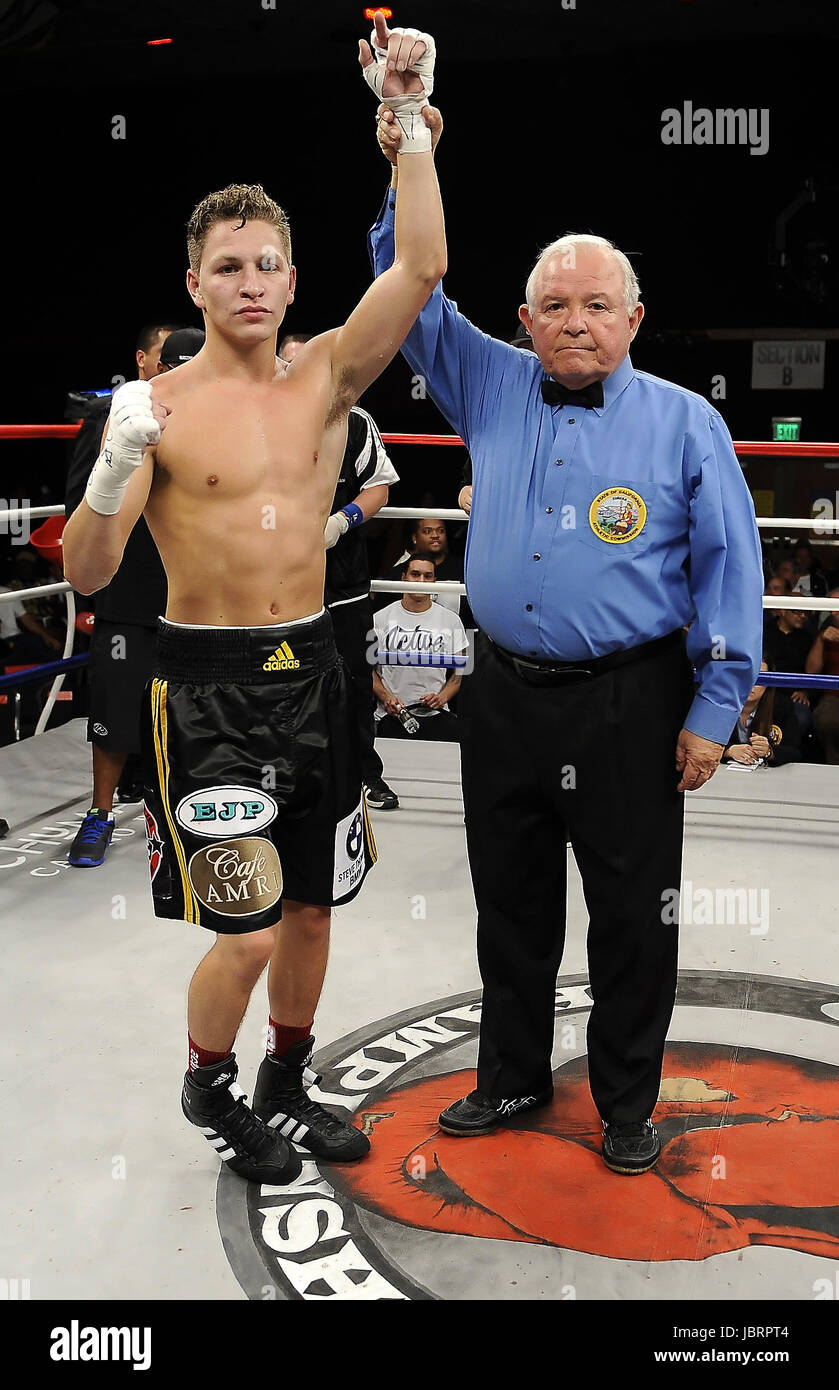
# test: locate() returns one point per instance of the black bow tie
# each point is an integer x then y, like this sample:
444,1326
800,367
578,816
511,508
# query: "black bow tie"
554,393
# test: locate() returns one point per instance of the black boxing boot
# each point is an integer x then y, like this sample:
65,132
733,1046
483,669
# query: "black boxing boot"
280,1100
214,1102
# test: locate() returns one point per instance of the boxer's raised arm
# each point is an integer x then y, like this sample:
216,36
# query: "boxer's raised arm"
401,72
379,325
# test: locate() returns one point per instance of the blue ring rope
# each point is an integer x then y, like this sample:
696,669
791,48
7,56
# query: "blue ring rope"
39,673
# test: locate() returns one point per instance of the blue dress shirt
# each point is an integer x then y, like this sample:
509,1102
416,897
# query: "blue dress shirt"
593,530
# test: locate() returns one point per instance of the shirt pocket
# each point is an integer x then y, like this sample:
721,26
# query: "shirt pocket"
614,515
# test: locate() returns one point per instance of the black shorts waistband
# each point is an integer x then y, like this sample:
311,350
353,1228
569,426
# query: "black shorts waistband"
561,672
244,655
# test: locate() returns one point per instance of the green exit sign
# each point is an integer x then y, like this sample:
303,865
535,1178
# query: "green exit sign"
786,430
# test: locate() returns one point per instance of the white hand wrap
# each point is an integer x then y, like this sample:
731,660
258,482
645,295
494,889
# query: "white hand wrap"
416,135
132,428
336,527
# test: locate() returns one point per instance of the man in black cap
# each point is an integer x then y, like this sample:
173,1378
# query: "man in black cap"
122,652
181,346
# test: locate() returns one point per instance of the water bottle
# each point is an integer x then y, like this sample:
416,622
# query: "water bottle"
408,722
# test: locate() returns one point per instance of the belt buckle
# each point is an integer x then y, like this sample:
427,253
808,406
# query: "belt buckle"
527,668
531,668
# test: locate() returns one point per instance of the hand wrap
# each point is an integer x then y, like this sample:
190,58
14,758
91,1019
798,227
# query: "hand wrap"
131,429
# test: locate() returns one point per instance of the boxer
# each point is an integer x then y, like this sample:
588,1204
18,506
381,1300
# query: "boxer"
254,808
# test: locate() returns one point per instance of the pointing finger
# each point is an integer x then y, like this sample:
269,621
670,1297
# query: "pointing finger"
382,31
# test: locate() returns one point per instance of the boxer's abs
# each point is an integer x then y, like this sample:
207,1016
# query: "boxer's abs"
241,578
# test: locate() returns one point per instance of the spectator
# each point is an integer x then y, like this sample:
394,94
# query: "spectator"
787,639
823,660
777,587
10,613
430,536
811,581
416,624
42,629
767,729
32,632
786,568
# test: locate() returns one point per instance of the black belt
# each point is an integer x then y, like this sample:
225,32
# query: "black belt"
557,672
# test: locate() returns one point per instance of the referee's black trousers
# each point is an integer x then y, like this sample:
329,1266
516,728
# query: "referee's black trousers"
594,757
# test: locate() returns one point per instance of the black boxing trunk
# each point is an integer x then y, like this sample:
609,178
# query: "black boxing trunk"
252,776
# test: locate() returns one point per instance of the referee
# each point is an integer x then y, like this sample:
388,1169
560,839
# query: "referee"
609,513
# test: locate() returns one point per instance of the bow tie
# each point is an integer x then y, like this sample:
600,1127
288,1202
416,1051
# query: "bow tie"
554,393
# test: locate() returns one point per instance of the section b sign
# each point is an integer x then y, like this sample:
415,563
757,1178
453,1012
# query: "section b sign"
788,365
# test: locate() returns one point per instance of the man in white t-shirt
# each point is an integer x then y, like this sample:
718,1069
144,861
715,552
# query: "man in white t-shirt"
416,624
10,611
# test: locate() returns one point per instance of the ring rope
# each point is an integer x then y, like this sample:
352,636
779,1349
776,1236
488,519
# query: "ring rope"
768,447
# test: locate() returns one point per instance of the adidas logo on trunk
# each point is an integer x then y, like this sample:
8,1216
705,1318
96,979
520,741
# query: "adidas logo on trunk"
282,660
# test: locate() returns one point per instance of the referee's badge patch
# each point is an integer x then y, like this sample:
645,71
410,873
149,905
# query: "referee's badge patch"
617,515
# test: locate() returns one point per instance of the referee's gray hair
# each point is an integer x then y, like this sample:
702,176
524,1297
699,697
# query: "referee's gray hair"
631,288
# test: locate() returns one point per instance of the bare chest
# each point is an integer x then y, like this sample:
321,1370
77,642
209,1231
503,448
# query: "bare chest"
215,444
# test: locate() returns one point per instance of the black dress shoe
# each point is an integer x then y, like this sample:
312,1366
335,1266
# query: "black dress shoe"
631,1148
479,1114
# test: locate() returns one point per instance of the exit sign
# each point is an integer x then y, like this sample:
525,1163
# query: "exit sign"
786,430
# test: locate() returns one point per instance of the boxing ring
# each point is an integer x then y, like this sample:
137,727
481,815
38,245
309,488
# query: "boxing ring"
109,1196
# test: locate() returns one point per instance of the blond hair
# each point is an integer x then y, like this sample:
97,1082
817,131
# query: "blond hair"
247,201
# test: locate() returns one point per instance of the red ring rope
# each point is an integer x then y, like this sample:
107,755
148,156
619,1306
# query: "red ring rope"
790,448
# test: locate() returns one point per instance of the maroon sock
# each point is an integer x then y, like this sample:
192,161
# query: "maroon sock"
201,1057
282,1036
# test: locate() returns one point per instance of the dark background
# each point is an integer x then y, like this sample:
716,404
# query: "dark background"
553,123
